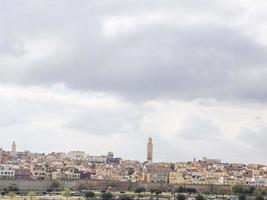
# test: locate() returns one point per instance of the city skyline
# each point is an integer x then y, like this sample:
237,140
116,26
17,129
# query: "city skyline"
148,154
104,76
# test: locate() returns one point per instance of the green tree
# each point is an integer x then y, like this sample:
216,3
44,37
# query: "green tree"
152,191
140,190
259,197
12,188
191,190
180,197
242,197
55,185
200,197
31,195
158,192
240,189
107,196
125,197
49,190
89,194
250,190
66,193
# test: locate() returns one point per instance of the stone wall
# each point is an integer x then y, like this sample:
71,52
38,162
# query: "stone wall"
43,185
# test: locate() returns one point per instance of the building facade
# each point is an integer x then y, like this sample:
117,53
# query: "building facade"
150,150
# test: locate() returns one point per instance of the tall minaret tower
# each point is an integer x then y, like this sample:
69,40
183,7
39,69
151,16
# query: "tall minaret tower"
1,154
14,148
150,150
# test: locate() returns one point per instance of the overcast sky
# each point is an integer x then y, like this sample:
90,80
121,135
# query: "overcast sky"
104,75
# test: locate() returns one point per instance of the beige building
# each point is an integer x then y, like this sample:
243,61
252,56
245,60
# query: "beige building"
1,154
38,173
150,150
176,178
14,148
156,178
73,174
55,175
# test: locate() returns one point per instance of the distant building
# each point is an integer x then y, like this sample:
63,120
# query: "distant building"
7,172
1,154
97,159
211,161
73,174
110,155
176,178
14,148
77,155
150,150
22,173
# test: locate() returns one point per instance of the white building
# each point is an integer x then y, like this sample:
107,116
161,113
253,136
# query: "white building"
97,159
7,172
77,155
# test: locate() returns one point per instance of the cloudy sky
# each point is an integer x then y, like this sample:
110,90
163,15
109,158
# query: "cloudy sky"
105,75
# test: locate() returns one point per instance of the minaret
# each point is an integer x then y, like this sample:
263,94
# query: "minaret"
150,150
1,154
14,148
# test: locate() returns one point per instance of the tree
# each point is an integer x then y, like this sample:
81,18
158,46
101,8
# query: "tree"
140,190
158,192
223,191
55,185
49,190
12,188
240,189
250,190
107,196
181,197
66,193
11,195
125,197
89,194
200,197
191,190
31,195
241,197
259,197
180,189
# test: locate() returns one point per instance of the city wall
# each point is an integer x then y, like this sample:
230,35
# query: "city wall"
43,185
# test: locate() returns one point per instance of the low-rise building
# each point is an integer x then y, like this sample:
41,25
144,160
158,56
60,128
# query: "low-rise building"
7,172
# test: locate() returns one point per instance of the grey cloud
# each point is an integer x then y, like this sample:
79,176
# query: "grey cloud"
103,121
255,139
198,129
157,61
184,50
201,64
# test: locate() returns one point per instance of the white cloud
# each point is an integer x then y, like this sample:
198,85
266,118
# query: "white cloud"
100,75
59,119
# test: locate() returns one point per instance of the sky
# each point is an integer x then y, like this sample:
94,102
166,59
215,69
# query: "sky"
102,76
